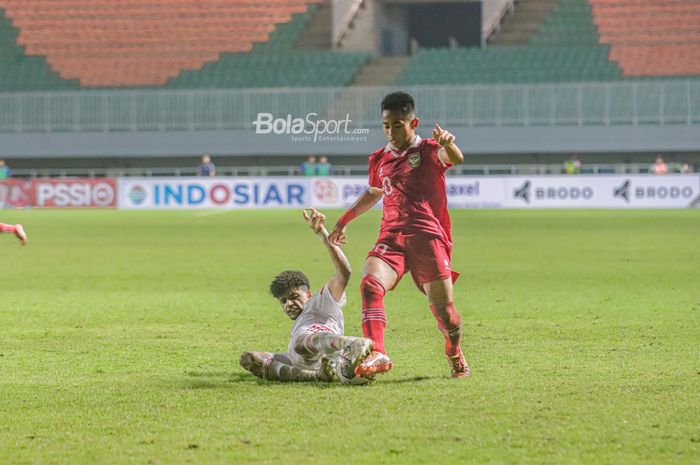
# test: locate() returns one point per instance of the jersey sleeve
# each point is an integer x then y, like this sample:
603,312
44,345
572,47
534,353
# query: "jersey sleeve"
374,180
327,300
433,148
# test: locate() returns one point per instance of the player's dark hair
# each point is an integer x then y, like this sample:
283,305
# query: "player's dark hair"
399,101
287,280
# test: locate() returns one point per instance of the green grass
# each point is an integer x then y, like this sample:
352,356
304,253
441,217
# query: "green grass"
121,333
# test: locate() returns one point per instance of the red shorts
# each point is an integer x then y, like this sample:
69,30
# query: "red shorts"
427,257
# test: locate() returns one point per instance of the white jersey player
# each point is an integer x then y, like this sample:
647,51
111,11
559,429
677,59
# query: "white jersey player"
317,334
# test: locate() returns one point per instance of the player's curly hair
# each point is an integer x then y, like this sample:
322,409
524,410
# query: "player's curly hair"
287,280
400,101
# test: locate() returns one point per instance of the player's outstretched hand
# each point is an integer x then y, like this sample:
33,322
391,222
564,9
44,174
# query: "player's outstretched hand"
315,220
337,236
442,136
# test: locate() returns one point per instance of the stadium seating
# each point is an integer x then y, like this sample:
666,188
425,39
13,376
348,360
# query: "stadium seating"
582,40
569,25
110,43
651,37
564,49
19,72
509,65
307,68
180,44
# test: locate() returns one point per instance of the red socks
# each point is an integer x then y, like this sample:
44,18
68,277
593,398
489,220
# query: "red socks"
7,228
449,324
374,317
373,314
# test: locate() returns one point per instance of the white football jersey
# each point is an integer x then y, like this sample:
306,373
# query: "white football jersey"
322,313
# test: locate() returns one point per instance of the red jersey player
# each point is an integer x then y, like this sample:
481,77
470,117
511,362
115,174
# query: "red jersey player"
415,233
17,229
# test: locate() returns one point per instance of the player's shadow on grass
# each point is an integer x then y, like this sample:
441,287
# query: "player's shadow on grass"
225,380
410,379
214,379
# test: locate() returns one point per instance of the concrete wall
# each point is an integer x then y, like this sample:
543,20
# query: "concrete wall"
478,141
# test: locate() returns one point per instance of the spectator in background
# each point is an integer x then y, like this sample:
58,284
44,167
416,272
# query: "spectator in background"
572,165
4,171
308,168
206,168
324,168
686,168
659,166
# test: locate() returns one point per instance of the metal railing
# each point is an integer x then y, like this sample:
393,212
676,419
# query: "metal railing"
633,102
344,170
343,12
494,12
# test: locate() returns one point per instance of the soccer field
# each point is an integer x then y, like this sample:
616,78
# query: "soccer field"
121,333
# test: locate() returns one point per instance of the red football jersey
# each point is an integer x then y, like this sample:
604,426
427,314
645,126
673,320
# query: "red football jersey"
413,182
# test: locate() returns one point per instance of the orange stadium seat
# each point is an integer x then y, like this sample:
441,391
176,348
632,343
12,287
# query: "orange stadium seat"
650,37
142,42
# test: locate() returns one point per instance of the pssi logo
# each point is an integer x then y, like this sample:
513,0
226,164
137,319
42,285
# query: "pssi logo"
75,194
326,191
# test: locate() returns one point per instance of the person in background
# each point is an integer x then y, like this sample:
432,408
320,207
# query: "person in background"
572,165
686,168
308,168
324,168
206,168
659,166
4,171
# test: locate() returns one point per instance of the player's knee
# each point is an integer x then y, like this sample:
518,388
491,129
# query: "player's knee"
252,362
301,344
371,288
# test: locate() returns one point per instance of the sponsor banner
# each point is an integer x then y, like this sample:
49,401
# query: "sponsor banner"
605,191
330,192
213,193
462,192
75,193
475,192
674,191
16,193
58,193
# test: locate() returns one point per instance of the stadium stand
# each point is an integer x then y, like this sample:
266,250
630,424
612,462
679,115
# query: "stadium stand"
509,65
651,37
293,68
580,40
189,44
19,72
110,43
564,49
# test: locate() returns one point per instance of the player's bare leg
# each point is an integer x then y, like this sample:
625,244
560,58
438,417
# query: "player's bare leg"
378,277
275,367
17,229
441,299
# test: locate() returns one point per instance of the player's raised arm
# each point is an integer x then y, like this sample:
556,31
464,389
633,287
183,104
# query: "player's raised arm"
449,152
364,202
339,281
